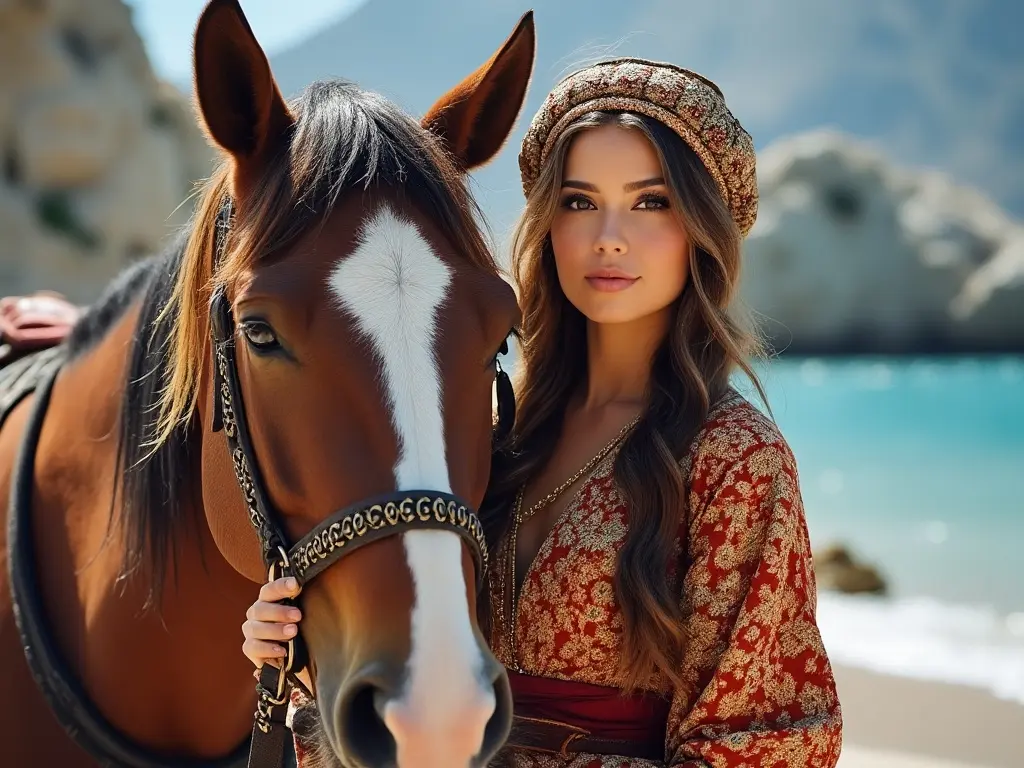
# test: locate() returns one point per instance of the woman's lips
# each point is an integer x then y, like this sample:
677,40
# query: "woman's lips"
610,284
610,280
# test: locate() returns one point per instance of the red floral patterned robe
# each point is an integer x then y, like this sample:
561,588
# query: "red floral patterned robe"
758,689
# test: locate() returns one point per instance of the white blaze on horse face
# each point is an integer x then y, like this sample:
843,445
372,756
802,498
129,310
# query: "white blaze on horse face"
394,285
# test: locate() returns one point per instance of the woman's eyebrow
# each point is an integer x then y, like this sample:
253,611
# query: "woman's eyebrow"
579,185
633,186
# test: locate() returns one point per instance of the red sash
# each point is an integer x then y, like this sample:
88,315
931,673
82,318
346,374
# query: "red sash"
602,711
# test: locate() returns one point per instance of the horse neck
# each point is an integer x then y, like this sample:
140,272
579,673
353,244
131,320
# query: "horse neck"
158,675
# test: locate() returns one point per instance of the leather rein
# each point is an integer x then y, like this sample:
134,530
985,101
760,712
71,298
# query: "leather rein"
57,682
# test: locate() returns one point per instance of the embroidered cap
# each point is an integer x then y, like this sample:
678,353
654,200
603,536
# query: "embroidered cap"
688,103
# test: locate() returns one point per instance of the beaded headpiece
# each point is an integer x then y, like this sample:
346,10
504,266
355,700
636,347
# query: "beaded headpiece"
688,103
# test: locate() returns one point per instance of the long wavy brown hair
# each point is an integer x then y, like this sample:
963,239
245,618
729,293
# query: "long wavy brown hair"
708,340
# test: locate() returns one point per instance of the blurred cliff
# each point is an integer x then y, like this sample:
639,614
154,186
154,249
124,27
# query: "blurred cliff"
851,254
97,154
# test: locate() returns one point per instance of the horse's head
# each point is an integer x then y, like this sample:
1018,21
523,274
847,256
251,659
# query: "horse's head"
360,313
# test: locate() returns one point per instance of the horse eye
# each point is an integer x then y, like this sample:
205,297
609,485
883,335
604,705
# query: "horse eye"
259,335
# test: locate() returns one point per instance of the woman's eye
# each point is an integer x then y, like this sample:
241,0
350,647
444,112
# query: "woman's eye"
259,334
653,203
578,203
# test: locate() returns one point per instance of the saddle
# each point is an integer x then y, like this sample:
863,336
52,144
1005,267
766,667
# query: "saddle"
31,331
31,323
22,372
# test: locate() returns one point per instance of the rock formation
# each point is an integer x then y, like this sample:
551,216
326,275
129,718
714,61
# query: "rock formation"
96,154
837,570
852,254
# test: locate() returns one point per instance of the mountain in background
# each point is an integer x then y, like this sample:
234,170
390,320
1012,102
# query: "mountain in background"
935,83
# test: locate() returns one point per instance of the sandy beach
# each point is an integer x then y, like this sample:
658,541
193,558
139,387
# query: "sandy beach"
892,722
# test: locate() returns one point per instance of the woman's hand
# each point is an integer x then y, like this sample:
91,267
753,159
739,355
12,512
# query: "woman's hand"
268,623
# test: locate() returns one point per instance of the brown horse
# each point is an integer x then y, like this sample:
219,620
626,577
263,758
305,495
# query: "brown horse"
367,312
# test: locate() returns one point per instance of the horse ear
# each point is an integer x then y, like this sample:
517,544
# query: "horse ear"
239,100
475,117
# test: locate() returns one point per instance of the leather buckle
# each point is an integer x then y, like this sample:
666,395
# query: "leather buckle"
558,735
564,752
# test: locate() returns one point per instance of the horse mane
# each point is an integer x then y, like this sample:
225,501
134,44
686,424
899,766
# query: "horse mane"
344,140
152,504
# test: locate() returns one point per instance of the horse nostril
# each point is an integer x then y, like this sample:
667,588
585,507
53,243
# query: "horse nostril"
361,729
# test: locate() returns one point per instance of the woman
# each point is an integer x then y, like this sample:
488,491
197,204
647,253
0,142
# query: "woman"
652,593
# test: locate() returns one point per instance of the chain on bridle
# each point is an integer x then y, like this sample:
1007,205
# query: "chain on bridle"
340,534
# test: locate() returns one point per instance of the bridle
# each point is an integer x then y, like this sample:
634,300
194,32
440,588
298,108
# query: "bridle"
337,536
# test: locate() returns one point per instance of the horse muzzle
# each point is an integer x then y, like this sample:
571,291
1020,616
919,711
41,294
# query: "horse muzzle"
377,721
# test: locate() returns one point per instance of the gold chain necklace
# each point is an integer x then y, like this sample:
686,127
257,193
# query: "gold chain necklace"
518,517
589,466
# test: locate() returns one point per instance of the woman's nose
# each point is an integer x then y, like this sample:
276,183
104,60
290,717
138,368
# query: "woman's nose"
611,240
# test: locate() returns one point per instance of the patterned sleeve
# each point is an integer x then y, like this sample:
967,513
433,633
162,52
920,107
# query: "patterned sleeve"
758,687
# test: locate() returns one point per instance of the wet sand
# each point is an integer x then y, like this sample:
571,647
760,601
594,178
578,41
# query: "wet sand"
892,722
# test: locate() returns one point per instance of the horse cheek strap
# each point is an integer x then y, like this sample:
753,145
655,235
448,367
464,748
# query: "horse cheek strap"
221,324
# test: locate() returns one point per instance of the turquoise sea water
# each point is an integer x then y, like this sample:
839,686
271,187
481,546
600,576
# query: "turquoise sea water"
917,463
